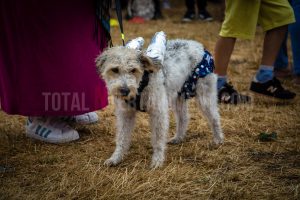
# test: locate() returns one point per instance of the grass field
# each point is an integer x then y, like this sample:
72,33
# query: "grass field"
242,168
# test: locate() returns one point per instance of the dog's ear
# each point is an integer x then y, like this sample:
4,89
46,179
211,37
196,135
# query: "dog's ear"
147,63
100,60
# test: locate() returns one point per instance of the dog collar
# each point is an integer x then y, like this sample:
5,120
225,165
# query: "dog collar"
205,67
136,103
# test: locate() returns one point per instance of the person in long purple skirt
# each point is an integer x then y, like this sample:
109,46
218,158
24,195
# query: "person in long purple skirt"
47,65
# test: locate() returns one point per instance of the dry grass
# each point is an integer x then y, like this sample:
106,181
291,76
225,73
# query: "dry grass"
242,168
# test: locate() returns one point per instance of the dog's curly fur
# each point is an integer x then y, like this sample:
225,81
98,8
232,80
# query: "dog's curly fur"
123,68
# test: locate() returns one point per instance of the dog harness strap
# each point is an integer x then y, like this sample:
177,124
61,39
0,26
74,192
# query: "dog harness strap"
205,67
137,103
144,82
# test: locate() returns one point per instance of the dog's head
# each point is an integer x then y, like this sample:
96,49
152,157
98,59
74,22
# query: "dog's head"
122,69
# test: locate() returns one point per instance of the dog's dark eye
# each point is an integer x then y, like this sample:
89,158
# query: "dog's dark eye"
115,70
133,71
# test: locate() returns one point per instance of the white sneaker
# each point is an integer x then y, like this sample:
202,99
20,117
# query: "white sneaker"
50,129
87,118
157,48
136,43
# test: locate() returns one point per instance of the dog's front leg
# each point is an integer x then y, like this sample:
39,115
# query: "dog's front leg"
125,124
159,121
180,108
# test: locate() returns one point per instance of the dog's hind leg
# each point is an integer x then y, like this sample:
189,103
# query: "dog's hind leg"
159,121
207,102
125,125
180,108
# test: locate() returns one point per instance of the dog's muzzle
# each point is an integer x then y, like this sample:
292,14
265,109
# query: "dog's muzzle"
124,91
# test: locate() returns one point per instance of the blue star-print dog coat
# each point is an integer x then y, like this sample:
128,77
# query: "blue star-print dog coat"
205,67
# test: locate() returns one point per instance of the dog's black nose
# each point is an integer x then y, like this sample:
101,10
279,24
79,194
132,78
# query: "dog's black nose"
124,91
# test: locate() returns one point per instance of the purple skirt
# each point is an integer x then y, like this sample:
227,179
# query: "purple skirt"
47,58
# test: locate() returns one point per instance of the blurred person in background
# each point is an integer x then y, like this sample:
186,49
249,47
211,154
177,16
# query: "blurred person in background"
190,13
241,18
140,10
47,64
281,64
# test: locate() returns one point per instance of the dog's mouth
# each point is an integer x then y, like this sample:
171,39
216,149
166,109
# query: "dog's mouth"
130,97
124,93
126,98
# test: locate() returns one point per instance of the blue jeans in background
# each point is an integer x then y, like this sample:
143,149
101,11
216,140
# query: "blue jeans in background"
294,31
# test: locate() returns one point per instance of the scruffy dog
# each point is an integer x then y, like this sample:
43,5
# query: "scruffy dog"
124,70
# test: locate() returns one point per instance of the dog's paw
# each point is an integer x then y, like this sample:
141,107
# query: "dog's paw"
218,140
111,162
156,163
175,140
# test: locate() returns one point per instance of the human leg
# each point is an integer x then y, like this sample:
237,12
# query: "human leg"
201,4
235,18
294,30
190,12
237,24
223,50
157,10
273,17
202,12
281,63
190,5
272,42
264,81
